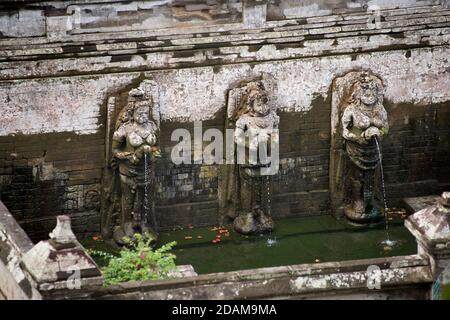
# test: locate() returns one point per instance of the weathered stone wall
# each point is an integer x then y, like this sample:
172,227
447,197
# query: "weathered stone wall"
56,77
288,9
60,19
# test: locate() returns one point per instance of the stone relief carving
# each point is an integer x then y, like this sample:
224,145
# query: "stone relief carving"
134,150
358,108
245,193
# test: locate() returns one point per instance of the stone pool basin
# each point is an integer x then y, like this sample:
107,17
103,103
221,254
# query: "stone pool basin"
294,241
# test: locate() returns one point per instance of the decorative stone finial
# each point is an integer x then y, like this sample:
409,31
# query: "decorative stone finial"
53,263
63,231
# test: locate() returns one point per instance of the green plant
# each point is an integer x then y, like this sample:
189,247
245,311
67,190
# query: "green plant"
138,261
100,254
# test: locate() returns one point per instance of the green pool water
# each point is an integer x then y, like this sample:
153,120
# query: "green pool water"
294,241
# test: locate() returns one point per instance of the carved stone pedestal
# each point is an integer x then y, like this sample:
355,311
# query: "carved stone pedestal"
431,228
61,263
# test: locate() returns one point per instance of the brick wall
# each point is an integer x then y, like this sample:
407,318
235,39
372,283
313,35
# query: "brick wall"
416,153
43,176
46,175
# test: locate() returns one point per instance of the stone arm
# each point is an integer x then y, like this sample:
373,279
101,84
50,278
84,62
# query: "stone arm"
118,140
347,125
150,147
385,127
152,141
380,126
239,132
275,138
140,151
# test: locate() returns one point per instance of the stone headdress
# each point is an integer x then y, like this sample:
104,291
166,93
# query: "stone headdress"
366,81
135,96
253,91
241,97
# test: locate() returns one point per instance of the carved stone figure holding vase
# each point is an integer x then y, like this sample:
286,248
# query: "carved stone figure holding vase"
134,150
246,189
364,123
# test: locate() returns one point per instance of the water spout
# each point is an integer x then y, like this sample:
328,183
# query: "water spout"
268,195
388,242
147,200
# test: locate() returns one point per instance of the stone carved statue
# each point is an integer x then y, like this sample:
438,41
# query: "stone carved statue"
134,151
245,194
364,123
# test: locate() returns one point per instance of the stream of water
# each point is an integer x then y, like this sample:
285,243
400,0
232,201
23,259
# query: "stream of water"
388,241
146,193
271,239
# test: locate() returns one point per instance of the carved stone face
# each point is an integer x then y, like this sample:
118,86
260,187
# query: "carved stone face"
141,113
367,90
369,96
259,103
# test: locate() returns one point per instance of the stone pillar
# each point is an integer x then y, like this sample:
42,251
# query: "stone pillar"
61,263
431,228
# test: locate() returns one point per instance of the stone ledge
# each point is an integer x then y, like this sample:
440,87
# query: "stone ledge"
308,279
145,44
208,57
415,204
15,234
76,34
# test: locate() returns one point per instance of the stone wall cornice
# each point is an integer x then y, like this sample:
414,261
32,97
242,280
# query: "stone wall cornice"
102,50
127,57
391,21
